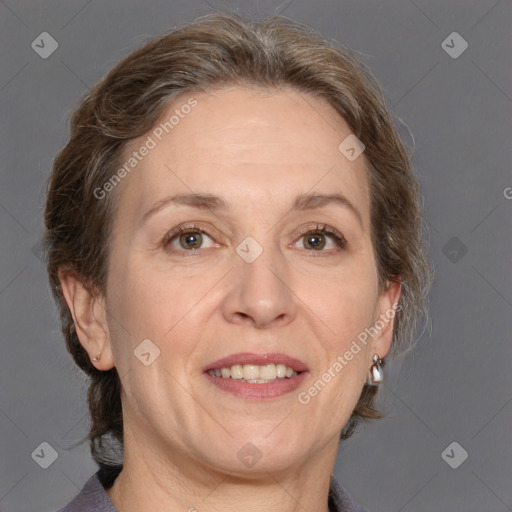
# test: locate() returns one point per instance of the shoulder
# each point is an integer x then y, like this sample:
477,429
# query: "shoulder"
91,497
340,500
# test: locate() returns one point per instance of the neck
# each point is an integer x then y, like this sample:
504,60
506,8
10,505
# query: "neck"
152,482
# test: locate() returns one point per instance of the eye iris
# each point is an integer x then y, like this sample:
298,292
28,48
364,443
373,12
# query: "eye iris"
315,241
191,240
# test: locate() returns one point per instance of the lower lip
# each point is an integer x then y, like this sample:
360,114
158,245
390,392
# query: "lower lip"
259,391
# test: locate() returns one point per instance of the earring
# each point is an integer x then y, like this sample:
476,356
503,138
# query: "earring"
376,375
97,358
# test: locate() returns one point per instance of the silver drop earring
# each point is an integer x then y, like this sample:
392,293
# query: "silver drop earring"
376,374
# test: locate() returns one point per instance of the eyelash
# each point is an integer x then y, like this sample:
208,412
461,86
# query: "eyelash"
181,230
322,229
319,229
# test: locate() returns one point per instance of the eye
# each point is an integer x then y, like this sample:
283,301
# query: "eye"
321,239
187,239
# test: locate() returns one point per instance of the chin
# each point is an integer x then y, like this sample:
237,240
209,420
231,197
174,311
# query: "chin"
257,452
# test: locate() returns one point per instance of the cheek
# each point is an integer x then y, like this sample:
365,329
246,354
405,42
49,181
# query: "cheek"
145,303
343,302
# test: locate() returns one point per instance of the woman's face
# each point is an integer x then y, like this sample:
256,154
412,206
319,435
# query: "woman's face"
255,176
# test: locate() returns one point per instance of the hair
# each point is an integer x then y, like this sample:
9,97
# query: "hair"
215,51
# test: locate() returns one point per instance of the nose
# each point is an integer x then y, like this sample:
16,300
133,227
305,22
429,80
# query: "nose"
260,294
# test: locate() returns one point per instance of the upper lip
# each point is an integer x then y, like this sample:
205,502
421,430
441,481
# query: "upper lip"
257,359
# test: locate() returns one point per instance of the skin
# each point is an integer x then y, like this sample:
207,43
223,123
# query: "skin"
258,150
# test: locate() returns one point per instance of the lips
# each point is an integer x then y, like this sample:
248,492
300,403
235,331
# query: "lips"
257,359
257,389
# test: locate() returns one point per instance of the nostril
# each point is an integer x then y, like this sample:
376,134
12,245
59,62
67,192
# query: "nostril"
244,317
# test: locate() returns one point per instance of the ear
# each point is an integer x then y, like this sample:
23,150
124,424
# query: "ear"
384,321
90,318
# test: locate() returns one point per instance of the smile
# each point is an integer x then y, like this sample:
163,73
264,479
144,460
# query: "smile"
254,374
257,376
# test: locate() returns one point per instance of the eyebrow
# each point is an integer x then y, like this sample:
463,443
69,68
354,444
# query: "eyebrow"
199,201
305,202
302,202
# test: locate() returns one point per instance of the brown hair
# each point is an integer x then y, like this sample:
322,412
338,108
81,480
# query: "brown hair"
214,51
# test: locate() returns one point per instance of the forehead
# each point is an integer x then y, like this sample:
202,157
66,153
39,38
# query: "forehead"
246,144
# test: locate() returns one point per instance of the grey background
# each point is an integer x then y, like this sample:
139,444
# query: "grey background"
455,386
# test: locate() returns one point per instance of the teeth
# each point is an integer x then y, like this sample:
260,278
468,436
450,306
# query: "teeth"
267,372
281,371
236,372
254,374
251,372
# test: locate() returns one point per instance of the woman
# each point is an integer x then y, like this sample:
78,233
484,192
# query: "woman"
235,243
